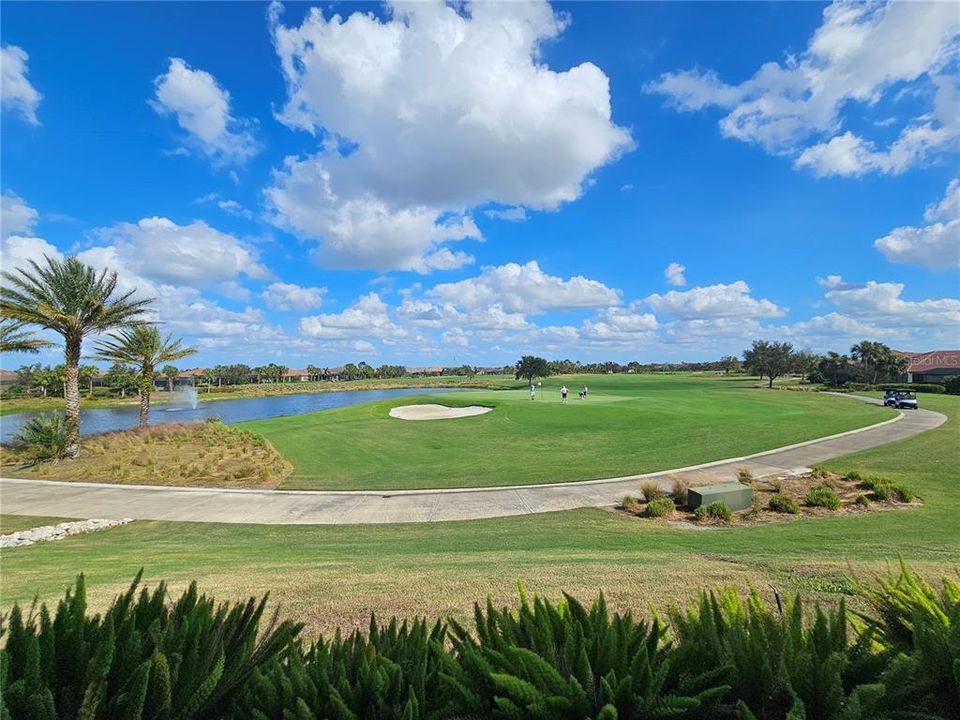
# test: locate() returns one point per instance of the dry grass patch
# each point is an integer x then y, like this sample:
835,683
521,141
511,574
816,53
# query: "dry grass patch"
184,454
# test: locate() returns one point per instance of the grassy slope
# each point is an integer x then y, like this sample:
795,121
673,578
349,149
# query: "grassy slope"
629,424
330,576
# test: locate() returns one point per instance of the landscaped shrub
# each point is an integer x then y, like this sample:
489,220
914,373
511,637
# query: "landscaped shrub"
854,475
862,501
745,476
651,490
719,511
43,437
143,658
660,507
902,492
700,513
823,496
935,388
630,503
681,491
952,385
884,489
783,504
725,657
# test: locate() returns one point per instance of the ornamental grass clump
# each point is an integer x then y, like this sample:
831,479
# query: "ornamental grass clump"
783,504
661,507
651,490
823,496
681,491
883,489
719,511
630,503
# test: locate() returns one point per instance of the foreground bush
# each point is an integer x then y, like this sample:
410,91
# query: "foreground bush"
783,504
724,657
43,437
661,507
823,496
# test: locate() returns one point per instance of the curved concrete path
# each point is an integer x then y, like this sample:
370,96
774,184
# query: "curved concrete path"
143,502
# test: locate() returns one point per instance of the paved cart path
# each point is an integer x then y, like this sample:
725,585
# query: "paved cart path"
142,502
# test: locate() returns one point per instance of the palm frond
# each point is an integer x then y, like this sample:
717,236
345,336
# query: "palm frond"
13,338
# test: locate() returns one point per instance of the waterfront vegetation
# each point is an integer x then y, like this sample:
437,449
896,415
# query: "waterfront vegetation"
189,454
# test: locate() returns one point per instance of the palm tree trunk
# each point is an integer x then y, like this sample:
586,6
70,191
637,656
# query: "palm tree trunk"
146,385
71,391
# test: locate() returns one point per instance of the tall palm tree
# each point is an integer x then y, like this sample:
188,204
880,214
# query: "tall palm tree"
13,338
145,347
74,300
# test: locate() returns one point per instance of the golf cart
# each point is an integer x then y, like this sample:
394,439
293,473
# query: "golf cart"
900,398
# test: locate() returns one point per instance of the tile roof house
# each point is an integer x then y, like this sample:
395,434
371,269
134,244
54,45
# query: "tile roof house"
425,371
294,375
933,366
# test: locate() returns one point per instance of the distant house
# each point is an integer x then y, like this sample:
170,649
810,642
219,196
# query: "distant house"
189,377
7,378
933,367
425,371
332,374
489,371
293,375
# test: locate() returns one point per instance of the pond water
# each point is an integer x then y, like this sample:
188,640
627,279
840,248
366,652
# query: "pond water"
97,420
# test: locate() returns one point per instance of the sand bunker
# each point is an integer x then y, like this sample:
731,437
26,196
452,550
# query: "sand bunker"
436,412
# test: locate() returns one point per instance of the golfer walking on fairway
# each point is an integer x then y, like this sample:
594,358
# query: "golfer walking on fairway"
563,394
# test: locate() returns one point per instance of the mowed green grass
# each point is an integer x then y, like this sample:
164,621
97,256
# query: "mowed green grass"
335,576
629,424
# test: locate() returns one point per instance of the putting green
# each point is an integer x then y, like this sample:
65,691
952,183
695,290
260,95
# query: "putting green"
628,424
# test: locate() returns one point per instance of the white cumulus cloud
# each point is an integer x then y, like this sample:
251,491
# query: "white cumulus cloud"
714,301
16,217
202,109
859,54
674,274
16,91
425,115
196,254
288,296
525,289
368,317
936,245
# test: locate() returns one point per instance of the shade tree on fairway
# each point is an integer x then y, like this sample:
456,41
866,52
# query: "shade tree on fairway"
768,359
74,300
144,347
530,366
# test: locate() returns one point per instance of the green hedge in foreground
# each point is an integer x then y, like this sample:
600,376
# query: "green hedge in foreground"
725,657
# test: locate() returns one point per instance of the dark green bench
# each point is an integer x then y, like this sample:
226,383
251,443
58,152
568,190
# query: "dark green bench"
736,495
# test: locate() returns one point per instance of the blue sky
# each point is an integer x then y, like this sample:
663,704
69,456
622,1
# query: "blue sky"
418,184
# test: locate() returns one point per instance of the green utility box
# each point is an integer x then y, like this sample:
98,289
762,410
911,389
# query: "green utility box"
734,494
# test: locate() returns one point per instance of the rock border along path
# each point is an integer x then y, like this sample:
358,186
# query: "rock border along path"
287,507
48,533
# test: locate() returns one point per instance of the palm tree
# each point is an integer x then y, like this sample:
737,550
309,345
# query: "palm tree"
74,300
13,338
171,373
145,347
